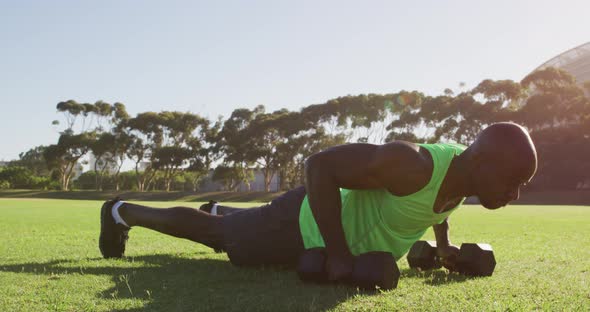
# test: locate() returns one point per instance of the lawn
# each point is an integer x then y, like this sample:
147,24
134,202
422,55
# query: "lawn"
49,261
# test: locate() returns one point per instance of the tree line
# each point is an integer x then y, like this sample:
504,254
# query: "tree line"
176,150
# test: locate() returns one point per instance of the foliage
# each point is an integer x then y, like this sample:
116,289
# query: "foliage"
19,177
231,177
33,160
171,148
4,185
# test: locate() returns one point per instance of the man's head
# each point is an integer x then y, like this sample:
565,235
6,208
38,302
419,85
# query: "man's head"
502,159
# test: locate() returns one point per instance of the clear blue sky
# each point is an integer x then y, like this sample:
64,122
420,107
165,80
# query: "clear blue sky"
212,57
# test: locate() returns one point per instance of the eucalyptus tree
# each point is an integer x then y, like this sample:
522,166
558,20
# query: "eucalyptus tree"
111,141
146,135
71,110
367,116
64,156
71,147
265,133
231,177
204,150
554,99
169,160
557,112
234,142
164,142
184,136
101,149
33,160
122,138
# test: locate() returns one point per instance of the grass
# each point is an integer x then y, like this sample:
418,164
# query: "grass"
49,261
222,196
528,197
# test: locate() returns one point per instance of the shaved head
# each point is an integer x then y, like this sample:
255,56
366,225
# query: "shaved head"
508,142
502,159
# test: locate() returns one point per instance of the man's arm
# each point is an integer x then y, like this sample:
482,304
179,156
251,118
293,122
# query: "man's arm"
398,167
444,249
441,232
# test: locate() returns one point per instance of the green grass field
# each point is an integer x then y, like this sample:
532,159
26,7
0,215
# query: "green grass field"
49,261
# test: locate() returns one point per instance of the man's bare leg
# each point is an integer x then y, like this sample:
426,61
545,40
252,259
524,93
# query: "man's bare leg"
117,217
182,222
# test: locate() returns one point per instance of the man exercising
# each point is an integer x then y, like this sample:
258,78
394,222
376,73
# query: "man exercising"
357,198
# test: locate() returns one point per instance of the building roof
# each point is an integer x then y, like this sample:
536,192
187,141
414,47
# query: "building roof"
576,61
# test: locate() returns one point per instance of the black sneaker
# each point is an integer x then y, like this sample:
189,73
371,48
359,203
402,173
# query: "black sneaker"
208,206
113,236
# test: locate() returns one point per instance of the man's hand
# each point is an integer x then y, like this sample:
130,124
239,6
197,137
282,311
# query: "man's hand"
448,256
339,267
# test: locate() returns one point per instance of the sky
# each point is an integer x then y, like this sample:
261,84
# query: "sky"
211,57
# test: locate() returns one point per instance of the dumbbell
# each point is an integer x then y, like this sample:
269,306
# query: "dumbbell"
473,259
370,269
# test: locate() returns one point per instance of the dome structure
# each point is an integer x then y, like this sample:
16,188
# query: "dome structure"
576,61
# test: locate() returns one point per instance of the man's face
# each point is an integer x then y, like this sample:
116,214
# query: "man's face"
498,183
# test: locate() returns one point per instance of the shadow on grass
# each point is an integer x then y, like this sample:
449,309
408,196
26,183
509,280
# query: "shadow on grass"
170,283
435,277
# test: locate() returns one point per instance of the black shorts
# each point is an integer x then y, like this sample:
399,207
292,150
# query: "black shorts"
267,235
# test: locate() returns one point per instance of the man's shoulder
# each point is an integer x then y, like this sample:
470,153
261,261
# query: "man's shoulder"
456,148
410,154
404,167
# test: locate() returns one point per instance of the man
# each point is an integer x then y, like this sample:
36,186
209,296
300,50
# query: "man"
357,198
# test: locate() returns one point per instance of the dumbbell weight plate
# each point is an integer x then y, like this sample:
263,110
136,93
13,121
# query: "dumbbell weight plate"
476,259
422,256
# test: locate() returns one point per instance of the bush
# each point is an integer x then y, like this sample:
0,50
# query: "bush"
4,185
86,181
17,177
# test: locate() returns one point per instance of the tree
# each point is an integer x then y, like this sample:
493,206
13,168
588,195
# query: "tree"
71,110
122,144
33,160
17,177
64,155
231,177
233,142
264,134
169,160
146,135
555,92
102,149
122,138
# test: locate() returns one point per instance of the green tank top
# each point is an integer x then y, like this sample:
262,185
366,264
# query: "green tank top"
376,220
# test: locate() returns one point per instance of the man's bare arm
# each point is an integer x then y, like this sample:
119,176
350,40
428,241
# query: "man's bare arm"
398,167
444,249
441,232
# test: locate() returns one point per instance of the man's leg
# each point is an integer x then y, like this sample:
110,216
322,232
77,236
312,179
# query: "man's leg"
267,235
214,208
182,222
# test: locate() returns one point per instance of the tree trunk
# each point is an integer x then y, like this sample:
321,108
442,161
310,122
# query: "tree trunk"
96,173
167,179
137,177
117,176
102,173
